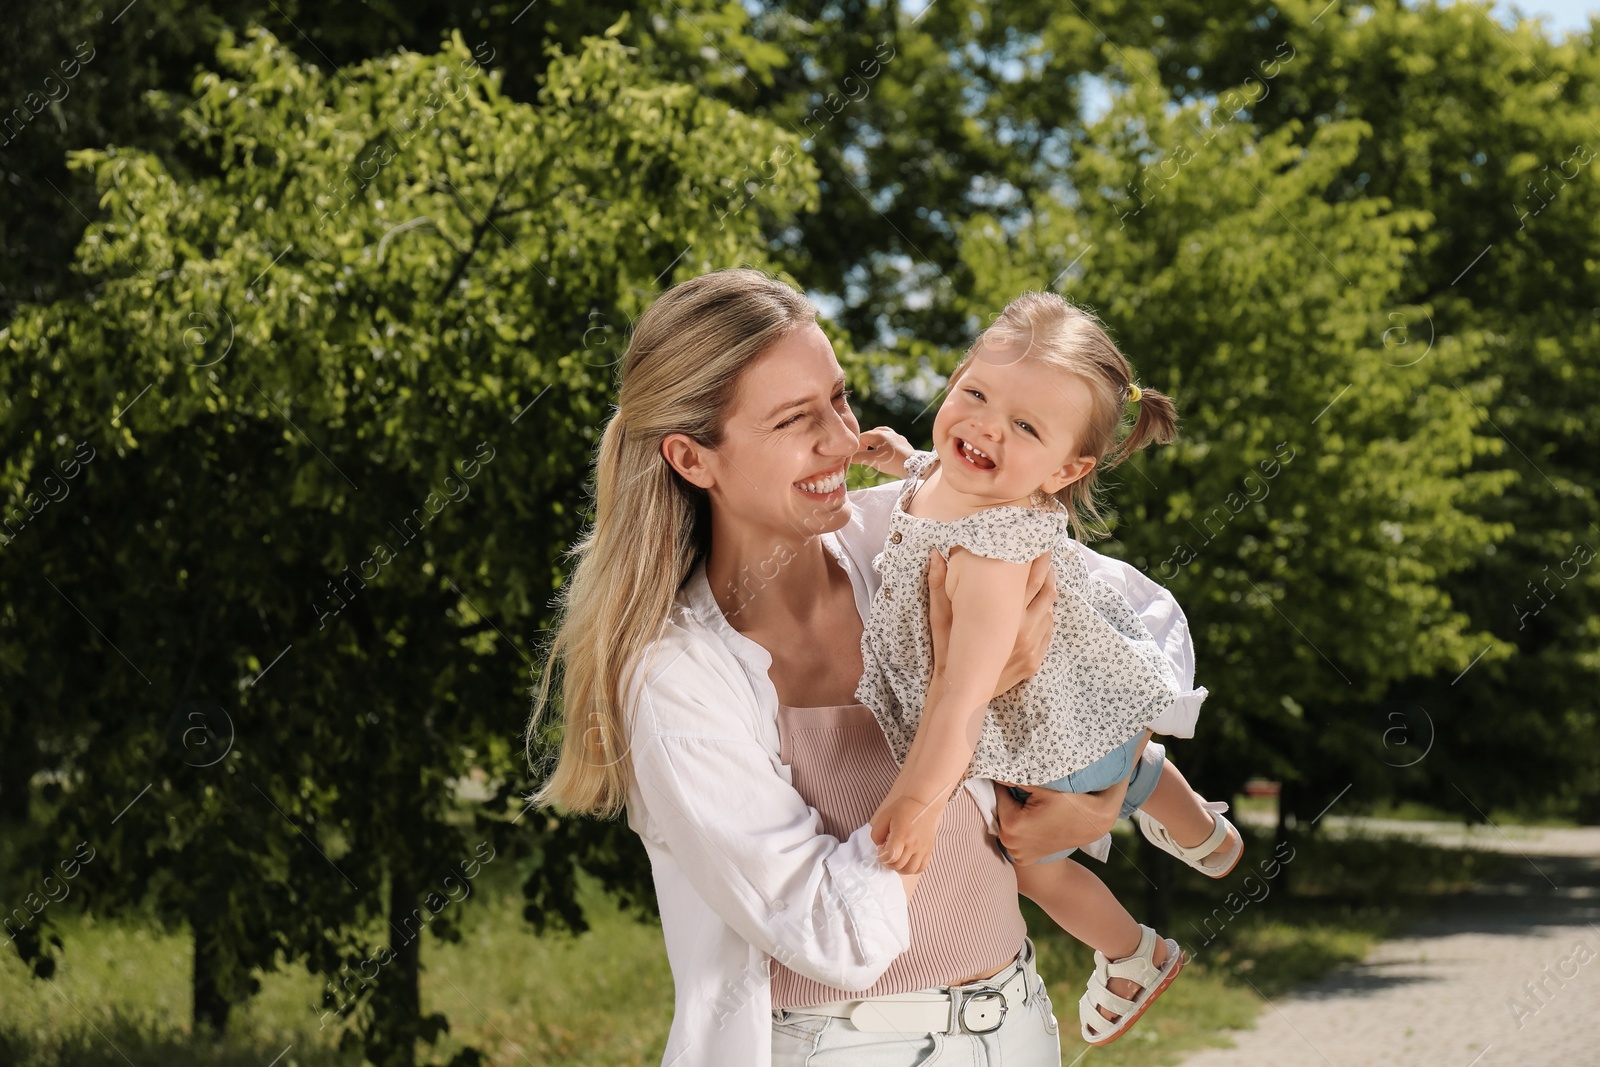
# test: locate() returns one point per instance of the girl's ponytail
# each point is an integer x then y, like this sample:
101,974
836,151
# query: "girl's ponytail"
1156,424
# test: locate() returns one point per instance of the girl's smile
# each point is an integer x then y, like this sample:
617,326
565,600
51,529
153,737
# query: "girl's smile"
1010,426
973,456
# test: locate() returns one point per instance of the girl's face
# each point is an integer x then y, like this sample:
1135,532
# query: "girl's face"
787,443
1011,425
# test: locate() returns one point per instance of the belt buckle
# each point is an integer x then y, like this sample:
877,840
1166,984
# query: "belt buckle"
987,1000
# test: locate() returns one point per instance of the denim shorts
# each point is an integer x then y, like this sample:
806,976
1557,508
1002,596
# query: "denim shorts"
1104,773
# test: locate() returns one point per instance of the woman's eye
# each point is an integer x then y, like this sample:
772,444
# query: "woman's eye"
790,420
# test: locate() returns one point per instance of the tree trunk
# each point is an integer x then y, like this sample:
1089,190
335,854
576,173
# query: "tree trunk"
405,971
16,776
1287,833
210,1006
391,1040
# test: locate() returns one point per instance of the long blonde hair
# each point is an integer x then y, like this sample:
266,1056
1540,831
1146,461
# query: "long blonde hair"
650,526
1062,335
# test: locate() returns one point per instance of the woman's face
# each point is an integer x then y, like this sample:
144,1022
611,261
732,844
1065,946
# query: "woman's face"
787,443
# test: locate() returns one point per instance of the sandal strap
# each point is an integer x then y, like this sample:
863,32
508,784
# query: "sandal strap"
1219,831
1099,994
1161,836
1140,967
1095,1024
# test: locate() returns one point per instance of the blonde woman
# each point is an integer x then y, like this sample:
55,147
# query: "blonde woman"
710,648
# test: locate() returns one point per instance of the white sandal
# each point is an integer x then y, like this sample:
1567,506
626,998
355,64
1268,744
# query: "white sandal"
1139,967
1158,836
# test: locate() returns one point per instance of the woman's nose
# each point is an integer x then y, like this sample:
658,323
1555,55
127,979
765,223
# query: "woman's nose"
846,434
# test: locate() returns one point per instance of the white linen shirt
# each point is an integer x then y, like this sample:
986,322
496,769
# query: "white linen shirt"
742,869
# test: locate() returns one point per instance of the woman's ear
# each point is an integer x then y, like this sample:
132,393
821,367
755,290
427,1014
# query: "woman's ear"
1071,471
689,458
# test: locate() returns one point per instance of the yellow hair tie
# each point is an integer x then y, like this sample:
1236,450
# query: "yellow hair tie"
1134,393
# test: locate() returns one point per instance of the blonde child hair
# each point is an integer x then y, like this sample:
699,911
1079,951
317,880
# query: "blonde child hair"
1060,334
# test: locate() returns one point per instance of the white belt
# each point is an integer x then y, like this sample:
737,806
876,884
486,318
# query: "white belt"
974,1008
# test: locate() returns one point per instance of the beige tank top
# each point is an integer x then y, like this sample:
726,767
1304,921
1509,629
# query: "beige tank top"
965,920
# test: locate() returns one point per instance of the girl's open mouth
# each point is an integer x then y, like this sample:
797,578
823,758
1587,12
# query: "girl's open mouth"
973,458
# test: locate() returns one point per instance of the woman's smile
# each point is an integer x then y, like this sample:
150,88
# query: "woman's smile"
824,485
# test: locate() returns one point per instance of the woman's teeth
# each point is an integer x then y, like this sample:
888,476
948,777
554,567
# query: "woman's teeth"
977,459
832,483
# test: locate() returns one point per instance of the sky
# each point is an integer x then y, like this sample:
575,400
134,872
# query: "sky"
1563,14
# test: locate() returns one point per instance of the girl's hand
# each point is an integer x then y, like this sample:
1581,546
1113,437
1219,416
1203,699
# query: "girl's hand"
883,449
1050,820
1033,636
903,828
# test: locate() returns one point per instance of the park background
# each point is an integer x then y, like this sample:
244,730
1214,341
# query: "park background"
310,315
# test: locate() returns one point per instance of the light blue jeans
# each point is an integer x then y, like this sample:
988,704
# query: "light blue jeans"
1027,1038
1105,772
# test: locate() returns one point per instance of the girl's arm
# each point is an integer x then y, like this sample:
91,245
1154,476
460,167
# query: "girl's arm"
987,597
883,449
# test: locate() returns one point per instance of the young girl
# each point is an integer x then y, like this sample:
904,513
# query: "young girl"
1031,414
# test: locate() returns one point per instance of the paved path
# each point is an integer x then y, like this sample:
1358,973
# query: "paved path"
1506,975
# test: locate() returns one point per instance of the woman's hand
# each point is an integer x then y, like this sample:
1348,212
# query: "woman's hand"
883,449
1033,636
1050,820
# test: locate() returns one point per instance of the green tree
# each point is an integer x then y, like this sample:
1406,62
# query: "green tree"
338,360
1492,130
1317,494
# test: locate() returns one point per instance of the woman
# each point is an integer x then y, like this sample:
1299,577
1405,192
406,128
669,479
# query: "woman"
710,652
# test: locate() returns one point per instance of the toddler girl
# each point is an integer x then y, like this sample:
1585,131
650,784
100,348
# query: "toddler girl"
1031,414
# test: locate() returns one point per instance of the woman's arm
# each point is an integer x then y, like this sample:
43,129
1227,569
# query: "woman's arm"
1052,820
987,597
706,788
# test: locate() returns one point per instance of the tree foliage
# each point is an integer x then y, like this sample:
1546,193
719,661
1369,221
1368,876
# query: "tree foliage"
311,321
339,375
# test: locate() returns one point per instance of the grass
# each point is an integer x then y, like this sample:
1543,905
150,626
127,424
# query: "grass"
604,999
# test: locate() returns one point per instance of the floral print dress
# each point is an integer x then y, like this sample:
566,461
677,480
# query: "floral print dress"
1103,680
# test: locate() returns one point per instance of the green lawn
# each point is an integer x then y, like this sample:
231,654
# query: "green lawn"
605,999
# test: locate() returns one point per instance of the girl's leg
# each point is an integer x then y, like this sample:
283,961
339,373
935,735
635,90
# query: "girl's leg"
1081,905
1177,807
